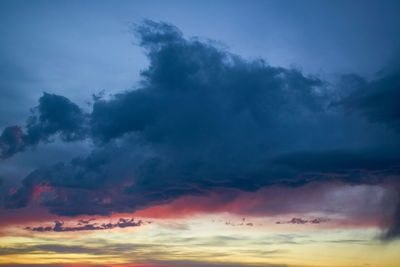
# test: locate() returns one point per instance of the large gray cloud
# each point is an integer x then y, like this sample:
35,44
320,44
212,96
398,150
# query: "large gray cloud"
377,100
203,118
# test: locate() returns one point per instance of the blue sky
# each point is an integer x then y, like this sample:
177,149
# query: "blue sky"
62,46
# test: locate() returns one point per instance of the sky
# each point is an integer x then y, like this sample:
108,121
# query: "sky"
199,133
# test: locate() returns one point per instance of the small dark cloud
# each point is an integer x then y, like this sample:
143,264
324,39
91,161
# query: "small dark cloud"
54,115
80,222
11,141
296,220
243,222
86,226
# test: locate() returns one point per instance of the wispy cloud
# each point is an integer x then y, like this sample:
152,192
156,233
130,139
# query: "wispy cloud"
86,225
304,221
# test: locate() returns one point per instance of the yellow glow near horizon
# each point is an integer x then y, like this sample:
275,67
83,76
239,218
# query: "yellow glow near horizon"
204,239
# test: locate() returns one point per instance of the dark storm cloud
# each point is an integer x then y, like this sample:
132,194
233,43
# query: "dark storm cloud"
202,119
54,115
378,100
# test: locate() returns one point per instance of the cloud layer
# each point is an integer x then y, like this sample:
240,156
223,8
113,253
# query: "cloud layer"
203,119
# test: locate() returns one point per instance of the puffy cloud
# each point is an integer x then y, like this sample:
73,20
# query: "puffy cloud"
54,115
203,119
11,141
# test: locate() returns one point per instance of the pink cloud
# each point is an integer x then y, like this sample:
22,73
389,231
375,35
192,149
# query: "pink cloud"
347,204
